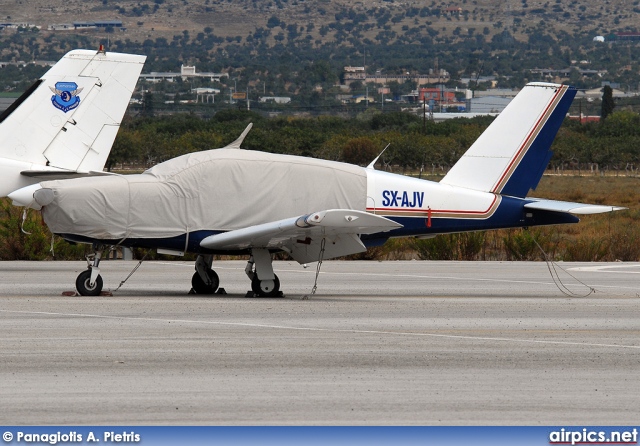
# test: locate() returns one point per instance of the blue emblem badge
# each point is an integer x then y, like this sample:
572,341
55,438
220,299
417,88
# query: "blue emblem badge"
66,96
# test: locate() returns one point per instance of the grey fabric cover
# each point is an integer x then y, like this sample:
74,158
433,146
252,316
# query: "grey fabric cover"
221,189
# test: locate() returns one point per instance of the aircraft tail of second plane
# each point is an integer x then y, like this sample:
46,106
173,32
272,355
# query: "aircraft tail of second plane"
69,118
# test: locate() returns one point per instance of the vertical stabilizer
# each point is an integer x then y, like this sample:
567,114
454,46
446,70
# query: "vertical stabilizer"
69,118
511,155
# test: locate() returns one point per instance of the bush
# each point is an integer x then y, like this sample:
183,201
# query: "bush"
36,242
463,246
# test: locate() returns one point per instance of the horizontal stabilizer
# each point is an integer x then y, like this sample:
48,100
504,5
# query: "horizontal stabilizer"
46,175
571,208
302,236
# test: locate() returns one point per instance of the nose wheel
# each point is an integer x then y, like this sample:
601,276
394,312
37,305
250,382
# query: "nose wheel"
89,282
87,288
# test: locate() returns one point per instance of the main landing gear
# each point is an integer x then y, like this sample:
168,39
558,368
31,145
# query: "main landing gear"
205,280
264,283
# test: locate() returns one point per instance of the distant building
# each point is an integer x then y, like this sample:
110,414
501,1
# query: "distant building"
453,10
61,27
488,104
98,24
205,94
185,73
353,74
438,95
473,81
496,92
18,25
596,93
353,98
276,99
627,36
566,72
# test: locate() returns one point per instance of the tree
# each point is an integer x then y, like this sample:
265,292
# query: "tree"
360,151
607,102
147,104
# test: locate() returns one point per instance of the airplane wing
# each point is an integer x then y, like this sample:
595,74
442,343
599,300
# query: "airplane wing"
571,208
302,236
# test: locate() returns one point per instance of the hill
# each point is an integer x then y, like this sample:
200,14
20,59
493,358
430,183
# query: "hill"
300,47
166,18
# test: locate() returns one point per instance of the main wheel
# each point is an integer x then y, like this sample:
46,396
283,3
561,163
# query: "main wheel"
83,284
265,288
200,287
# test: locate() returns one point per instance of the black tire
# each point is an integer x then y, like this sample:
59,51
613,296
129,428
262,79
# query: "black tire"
202,288
83,284
258,289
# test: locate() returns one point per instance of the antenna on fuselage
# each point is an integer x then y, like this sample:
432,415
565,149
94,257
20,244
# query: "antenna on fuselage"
236,144
372,164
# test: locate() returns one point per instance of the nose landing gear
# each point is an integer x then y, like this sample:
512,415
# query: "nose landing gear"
89,282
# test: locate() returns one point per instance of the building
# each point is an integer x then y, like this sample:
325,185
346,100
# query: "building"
205,94
353,74
186,72
353,98
438,95
550,73
488,104
98,24
276,99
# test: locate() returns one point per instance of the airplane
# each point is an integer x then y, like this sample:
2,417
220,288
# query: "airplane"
235,201
64,125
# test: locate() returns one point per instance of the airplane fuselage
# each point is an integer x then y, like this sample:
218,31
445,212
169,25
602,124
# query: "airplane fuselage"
10,177
422,207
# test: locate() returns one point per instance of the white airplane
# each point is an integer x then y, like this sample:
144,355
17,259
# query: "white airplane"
234,201
64,125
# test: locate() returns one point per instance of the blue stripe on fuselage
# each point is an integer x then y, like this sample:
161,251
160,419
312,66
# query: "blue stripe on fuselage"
510,214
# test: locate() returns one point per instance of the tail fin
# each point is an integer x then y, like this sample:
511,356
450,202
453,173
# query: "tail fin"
69,118
511,155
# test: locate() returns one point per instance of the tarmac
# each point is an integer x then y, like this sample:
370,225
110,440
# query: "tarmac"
380,343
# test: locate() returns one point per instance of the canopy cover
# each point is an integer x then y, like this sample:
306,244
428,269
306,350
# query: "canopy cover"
221,189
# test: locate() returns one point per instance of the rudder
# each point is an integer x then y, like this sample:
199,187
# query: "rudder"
511,155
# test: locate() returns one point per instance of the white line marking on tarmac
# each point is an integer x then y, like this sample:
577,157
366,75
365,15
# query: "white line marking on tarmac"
328,330
607,269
